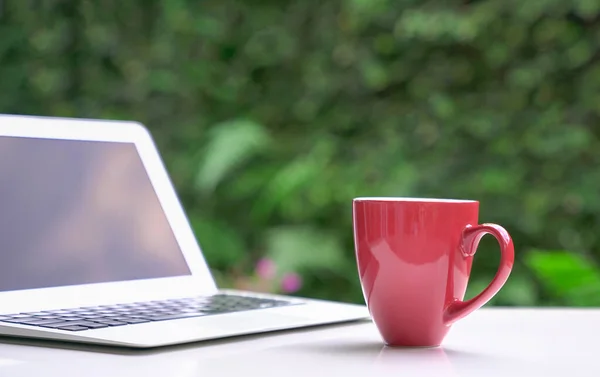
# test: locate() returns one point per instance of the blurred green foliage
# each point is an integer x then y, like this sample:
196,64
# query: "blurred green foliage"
273,115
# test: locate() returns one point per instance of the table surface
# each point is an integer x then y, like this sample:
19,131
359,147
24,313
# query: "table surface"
490,342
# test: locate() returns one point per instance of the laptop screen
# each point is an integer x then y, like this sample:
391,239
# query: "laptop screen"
80,212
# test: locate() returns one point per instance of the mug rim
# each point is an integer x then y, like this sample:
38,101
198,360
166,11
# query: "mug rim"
410,199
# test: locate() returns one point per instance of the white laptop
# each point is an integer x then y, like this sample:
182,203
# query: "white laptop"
95,246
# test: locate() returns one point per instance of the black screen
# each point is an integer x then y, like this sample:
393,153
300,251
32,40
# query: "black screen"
79,212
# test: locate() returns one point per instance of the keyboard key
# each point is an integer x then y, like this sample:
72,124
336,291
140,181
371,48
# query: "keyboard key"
69,318
46,316
73,328
33,321
88,324
85,313
119,318
136,320
176,316
111,322
95,325
20,321
44,321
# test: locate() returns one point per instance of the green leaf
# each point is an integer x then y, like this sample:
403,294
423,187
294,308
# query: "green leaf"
292,178
374,75
297,247
566,274
587,8
230,144
221,245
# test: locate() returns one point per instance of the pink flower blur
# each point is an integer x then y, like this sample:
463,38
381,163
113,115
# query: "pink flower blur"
291,283
265,268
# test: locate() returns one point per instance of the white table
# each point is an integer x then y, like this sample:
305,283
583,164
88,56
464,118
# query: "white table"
491,342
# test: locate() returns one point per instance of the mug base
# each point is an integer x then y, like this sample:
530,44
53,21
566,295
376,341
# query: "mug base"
409,346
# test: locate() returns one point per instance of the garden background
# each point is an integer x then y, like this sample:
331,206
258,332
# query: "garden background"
272,115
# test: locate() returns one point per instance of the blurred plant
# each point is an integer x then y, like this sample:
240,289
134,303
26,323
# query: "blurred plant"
271,117
571,279
267,278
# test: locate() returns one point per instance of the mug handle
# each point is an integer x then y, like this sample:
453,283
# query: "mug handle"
470,240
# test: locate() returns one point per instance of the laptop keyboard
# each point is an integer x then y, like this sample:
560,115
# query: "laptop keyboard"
97,317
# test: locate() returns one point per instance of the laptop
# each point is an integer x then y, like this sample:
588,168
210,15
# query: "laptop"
95,246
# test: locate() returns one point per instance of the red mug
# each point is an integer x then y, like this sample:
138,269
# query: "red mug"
414,259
